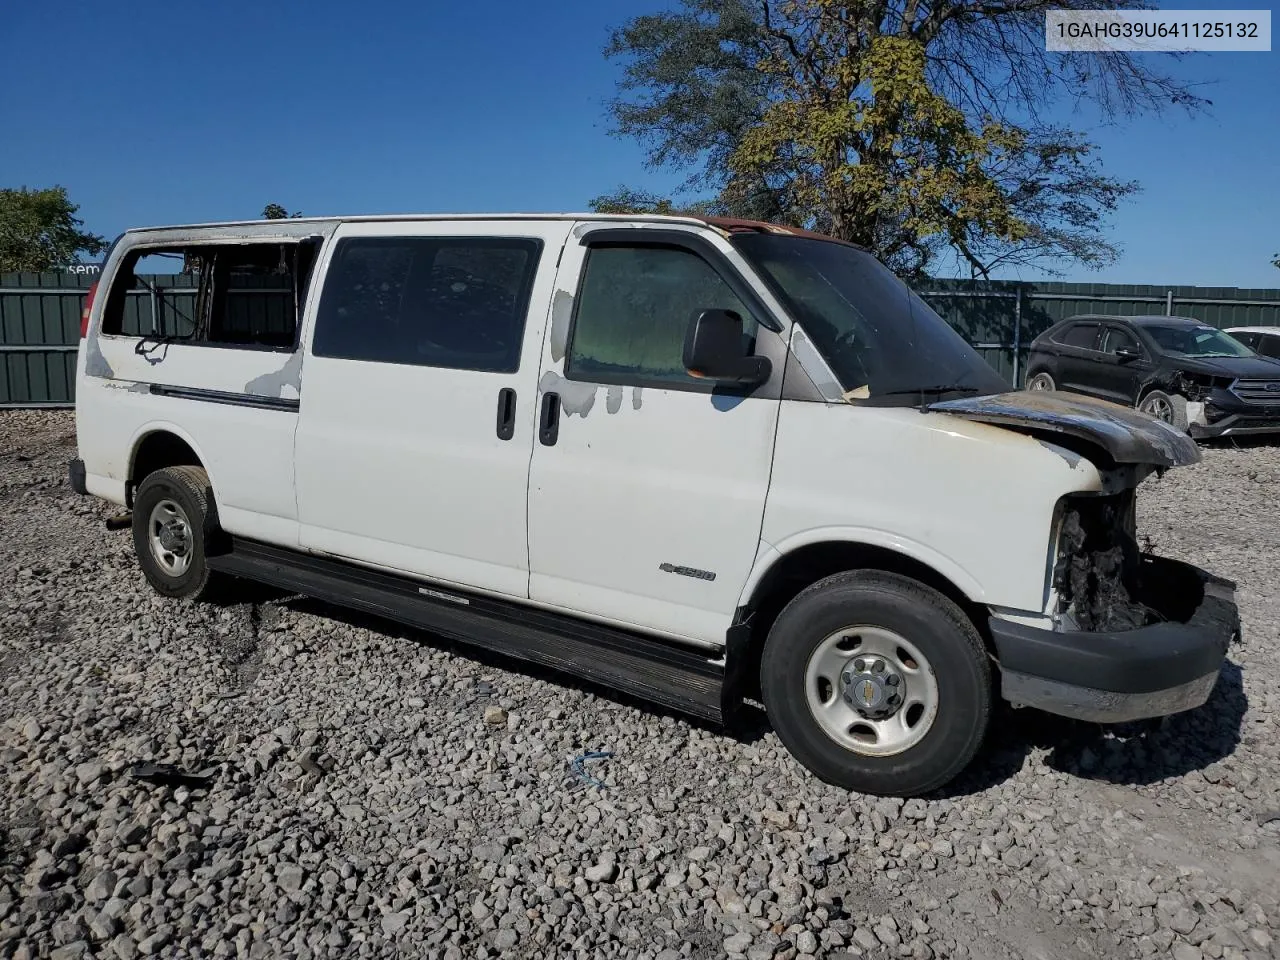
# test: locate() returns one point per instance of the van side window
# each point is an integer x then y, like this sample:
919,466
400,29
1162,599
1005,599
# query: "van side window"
230,295
633,312
253,295
156,292
453,302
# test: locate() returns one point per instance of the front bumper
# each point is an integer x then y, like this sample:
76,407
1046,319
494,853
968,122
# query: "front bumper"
1236,425
1222,414
1151,671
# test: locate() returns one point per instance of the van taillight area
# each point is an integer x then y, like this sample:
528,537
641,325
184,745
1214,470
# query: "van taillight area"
87,308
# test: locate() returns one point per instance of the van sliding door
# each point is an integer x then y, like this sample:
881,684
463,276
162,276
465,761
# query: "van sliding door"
413,444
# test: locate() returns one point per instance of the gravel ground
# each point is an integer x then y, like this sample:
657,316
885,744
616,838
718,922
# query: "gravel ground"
374,793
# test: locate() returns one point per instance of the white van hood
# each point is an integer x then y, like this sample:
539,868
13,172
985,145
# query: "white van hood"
1126,435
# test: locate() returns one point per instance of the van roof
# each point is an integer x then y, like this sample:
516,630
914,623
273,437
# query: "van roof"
723,224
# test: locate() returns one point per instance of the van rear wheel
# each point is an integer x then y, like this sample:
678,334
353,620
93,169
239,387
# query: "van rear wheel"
174,520
877,683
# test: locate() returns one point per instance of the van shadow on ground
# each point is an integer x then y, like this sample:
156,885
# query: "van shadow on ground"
749,727
1137,753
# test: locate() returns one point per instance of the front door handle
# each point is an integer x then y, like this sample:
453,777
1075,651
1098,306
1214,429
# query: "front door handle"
549,420
506,413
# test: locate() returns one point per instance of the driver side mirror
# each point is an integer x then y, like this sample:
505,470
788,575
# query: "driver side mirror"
714,350
1128,353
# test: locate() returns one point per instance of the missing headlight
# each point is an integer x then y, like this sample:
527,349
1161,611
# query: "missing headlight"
1096,573
1197,386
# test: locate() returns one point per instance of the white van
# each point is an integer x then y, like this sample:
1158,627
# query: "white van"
695,460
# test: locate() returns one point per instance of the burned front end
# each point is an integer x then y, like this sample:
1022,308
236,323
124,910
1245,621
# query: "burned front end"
1134,635
1123,634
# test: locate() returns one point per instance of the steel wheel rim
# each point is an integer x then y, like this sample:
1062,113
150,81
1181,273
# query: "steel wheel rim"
825,687
169,536
1038,382
1159,407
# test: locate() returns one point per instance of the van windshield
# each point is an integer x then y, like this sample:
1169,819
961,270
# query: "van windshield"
882,341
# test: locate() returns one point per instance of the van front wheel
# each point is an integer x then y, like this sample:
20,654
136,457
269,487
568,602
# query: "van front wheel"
877,683
174,521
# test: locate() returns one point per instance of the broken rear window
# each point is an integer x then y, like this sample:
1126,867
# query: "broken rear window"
229,295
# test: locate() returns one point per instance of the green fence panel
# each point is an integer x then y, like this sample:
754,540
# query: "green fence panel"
40,318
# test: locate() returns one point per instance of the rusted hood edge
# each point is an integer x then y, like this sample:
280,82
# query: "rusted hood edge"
1126,435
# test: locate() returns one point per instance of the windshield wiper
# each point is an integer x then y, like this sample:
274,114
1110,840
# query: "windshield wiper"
943,388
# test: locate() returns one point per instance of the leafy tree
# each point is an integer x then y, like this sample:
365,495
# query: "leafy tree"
626,200
39,230
273,211
912,127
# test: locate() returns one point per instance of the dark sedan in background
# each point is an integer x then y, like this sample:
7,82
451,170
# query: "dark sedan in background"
1183,371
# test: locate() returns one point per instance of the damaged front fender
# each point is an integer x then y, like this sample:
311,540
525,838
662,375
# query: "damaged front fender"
1125,435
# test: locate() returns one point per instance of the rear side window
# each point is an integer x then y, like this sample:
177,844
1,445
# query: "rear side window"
453,302
1269,346
634,309
157,292
232,295
1079,335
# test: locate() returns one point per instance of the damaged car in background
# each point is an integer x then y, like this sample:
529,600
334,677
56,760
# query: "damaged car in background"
1189,374
695,460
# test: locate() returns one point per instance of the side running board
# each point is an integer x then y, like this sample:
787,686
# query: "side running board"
676,677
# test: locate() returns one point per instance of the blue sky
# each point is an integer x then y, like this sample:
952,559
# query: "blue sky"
155,112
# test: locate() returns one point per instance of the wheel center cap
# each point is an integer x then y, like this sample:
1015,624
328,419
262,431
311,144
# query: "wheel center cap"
872,687
868,691
172,538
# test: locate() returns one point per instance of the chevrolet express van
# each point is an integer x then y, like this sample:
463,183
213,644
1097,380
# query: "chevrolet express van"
694,460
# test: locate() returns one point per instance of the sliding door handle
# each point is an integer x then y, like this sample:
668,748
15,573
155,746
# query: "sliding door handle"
506,413
549,419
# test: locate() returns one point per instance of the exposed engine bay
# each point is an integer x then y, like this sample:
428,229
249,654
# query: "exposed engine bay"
1097,565
1104,581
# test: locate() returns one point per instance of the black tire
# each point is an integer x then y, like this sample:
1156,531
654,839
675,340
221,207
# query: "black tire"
188,488
937,628
1155,402
1045,378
